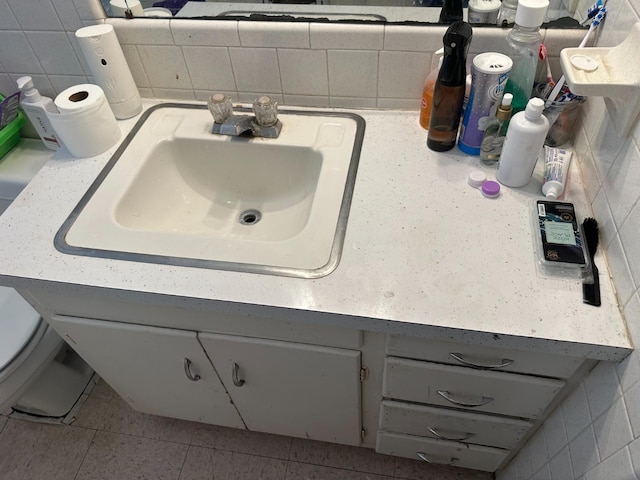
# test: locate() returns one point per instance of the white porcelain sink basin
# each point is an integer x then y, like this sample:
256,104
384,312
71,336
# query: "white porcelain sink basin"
176,193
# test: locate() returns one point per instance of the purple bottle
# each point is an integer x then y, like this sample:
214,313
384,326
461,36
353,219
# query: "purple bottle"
489,74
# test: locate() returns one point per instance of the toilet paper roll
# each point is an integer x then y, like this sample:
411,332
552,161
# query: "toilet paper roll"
86,125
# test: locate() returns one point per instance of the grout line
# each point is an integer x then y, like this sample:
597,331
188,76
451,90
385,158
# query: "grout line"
290,449
286,471
84,457
5,423
184,460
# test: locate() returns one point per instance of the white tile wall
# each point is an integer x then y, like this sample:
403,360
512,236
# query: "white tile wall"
303,71
276,34
318,64
595,433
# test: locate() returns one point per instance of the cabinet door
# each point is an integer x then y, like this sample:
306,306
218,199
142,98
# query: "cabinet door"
150,368
290,388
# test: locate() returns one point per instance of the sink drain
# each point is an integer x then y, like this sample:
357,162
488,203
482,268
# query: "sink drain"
250,217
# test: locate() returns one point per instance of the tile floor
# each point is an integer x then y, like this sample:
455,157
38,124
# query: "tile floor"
110,441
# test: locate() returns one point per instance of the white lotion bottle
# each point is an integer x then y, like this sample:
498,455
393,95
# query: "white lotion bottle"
525,137
36,106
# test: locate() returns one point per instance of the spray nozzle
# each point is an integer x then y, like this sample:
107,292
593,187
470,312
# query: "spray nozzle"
457,38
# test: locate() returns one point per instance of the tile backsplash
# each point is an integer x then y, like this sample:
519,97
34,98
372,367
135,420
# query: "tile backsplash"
299,63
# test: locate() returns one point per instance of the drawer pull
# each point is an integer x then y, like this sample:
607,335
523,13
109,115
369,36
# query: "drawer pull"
187,371
448,396
235,375
461,438
505,362
423,456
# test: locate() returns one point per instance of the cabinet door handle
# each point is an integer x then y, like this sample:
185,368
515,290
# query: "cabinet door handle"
423,456
237,381
461,438
505,362
449,397
187,371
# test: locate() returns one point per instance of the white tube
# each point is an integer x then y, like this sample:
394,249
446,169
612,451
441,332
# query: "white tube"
556,169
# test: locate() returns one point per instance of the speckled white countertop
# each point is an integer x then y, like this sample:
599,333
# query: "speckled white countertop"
424,254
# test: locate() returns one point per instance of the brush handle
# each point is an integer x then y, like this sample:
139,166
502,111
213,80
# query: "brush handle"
591,291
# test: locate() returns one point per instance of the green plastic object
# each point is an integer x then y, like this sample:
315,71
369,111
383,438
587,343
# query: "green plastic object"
10,135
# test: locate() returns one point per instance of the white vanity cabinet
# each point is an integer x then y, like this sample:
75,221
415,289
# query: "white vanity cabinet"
291,388
161,371
445,402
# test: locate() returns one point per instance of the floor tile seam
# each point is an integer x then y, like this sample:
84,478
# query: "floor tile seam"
84,457
342,469
143,436
240,452
184,461
286,471
368,472
290,449
87,427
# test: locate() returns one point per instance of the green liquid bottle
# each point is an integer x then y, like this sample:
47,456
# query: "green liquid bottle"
524,43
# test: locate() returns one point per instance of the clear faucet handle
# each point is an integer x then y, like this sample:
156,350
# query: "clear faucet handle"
220,107
265,109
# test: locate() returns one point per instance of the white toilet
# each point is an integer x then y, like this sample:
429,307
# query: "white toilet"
40,376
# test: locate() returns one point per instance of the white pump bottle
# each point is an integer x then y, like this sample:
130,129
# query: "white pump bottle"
36,106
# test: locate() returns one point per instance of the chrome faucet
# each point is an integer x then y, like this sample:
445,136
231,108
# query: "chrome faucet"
264,122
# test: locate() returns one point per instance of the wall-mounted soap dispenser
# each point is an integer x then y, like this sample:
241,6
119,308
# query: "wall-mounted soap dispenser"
609,72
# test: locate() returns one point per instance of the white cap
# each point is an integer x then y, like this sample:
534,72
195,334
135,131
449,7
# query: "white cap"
552,190
530,13
476,178
483,6
29,92
507,99
534,108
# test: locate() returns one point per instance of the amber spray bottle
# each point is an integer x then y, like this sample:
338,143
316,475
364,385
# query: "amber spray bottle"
448,94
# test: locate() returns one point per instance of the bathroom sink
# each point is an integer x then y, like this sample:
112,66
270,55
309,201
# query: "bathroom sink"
174,193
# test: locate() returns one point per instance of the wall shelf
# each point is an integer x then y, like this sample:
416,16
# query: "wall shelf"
609,72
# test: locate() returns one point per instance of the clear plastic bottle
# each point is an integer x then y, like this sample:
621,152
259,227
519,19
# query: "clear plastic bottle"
523,47
494,134
525,137
427,92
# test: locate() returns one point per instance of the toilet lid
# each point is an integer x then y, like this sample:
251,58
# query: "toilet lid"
18,321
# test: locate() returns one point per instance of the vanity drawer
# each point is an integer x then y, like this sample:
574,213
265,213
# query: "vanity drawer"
441,452
490,358
468,388
454,425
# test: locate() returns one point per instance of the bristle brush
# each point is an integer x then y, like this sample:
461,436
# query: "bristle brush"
591,291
